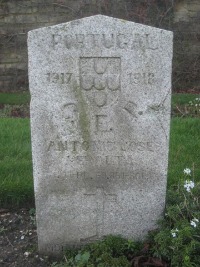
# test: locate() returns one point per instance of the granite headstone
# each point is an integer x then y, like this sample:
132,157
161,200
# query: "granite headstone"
100,119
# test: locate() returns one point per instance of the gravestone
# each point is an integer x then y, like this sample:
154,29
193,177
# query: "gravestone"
100,118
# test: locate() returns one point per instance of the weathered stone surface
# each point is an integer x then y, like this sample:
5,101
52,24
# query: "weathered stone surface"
100,115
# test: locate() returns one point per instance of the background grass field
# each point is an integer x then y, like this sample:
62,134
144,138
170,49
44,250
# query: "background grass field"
15,98
16,180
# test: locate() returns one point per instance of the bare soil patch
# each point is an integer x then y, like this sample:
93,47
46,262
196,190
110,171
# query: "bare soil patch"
18,240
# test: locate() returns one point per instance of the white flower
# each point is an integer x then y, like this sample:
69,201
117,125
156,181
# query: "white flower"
187,171
22,237
188,185
191,184
26,254
174,232
194,222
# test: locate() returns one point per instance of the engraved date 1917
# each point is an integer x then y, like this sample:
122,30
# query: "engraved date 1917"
59,78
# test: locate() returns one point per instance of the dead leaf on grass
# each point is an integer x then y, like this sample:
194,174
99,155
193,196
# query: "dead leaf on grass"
143,261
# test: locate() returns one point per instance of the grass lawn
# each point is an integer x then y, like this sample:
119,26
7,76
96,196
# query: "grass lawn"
182,99
184,149
14,98
16,181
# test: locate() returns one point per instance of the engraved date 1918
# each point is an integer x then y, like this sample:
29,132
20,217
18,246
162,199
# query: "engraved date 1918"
142,78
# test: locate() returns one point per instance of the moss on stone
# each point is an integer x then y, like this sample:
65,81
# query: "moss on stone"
83,114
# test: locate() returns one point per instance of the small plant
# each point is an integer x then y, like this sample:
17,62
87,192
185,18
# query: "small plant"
131,247
32,215
178,241
188,109
110,252
2,229
194,106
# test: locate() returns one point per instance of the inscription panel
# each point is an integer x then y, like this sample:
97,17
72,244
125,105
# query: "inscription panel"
95,146
90,183
108,41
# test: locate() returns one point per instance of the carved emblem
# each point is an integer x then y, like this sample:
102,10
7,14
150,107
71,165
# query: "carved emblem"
100,77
